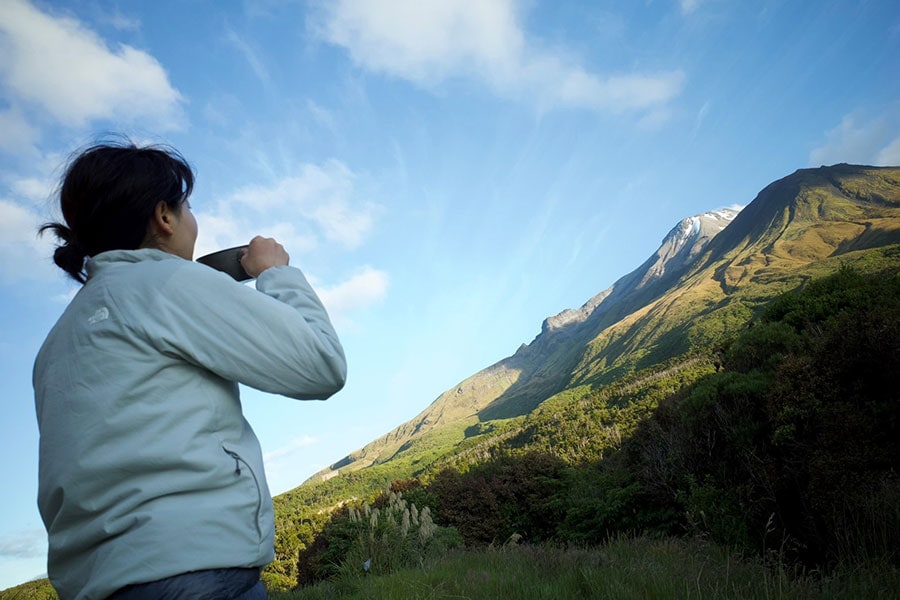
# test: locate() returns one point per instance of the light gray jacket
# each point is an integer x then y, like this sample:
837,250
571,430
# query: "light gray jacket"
147,466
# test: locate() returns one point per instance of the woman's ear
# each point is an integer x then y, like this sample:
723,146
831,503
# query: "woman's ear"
163,219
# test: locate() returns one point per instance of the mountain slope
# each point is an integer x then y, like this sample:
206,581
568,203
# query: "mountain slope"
708,277
539,369
812,217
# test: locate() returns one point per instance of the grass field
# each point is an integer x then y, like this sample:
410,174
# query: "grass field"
639,569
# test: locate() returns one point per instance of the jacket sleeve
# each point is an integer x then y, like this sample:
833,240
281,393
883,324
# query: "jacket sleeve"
277,338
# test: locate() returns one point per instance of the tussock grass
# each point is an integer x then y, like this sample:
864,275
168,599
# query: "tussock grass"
626,568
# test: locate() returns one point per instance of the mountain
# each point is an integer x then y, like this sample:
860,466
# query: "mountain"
538,370
707,279
803,225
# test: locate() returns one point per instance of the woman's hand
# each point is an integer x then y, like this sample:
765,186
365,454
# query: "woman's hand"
263,253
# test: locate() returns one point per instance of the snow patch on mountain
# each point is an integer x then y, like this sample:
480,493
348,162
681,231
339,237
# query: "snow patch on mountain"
677,249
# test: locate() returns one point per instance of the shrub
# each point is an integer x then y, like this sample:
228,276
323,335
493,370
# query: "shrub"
796,444
509,495
378,539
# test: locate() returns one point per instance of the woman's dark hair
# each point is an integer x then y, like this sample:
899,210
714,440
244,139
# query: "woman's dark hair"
108,195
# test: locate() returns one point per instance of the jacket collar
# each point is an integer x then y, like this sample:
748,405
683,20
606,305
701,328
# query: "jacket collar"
111,257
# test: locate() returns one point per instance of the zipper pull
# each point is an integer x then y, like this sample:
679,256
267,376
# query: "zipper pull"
237,462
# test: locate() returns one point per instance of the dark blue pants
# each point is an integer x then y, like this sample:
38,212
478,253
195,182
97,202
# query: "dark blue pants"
214,584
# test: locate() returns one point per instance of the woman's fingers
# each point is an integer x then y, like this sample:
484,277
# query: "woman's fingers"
263,253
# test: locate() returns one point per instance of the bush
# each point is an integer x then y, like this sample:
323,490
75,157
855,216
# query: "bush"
509,495
796,444
389,535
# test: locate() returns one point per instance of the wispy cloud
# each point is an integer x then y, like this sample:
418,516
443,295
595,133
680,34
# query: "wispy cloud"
322,116
890,154
295,444
699,119
25,255
428,42
363,289
119,21
30,543
862,141
251,55
315,204
654,119
689,6
34,189
18,134
282,464
55,64
226,228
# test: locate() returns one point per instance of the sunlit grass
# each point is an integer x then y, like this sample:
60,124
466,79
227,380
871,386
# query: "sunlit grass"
625,568
639,568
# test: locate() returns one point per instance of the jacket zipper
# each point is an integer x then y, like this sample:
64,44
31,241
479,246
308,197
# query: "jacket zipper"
238,461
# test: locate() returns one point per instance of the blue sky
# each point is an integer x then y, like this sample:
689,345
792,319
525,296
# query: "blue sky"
447,173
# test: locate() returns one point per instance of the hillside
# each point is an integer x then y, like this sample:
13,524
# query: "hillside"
592,384
797,227
539,369
709,277
785,436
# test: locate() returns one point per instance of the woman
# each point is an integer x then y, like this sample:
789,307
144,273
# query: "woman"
151,482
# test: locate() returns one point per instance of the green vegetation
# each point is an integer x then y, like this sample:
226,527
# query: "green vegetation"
781,442
628,405
374,540
801,227
32,590
623,568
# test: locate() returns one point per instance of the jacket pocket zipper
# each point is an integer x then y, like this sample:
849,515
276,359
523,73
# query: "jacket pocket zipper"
238,461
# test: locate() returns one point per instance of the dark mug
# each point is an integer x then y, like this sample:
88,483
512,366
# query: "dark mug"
227,261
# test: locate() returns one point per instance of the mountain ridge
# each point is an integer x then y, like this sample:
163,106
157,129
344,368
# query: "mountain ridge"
678,297
801,219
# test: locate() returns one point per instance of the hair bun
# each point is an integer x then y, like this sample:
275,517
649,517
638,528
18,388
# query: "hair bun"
68,256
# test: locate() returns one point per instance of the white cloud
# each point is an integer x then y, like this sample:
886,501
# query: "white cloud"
700,118
365,288
67,296
281,464
429,42
890,154
36,181
314,204
304,441
25,255
18,135
322,116
30,543
226,229
251,56
426,41
333,179
56,64
34,189
654,119
871,142
689,6
122,23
